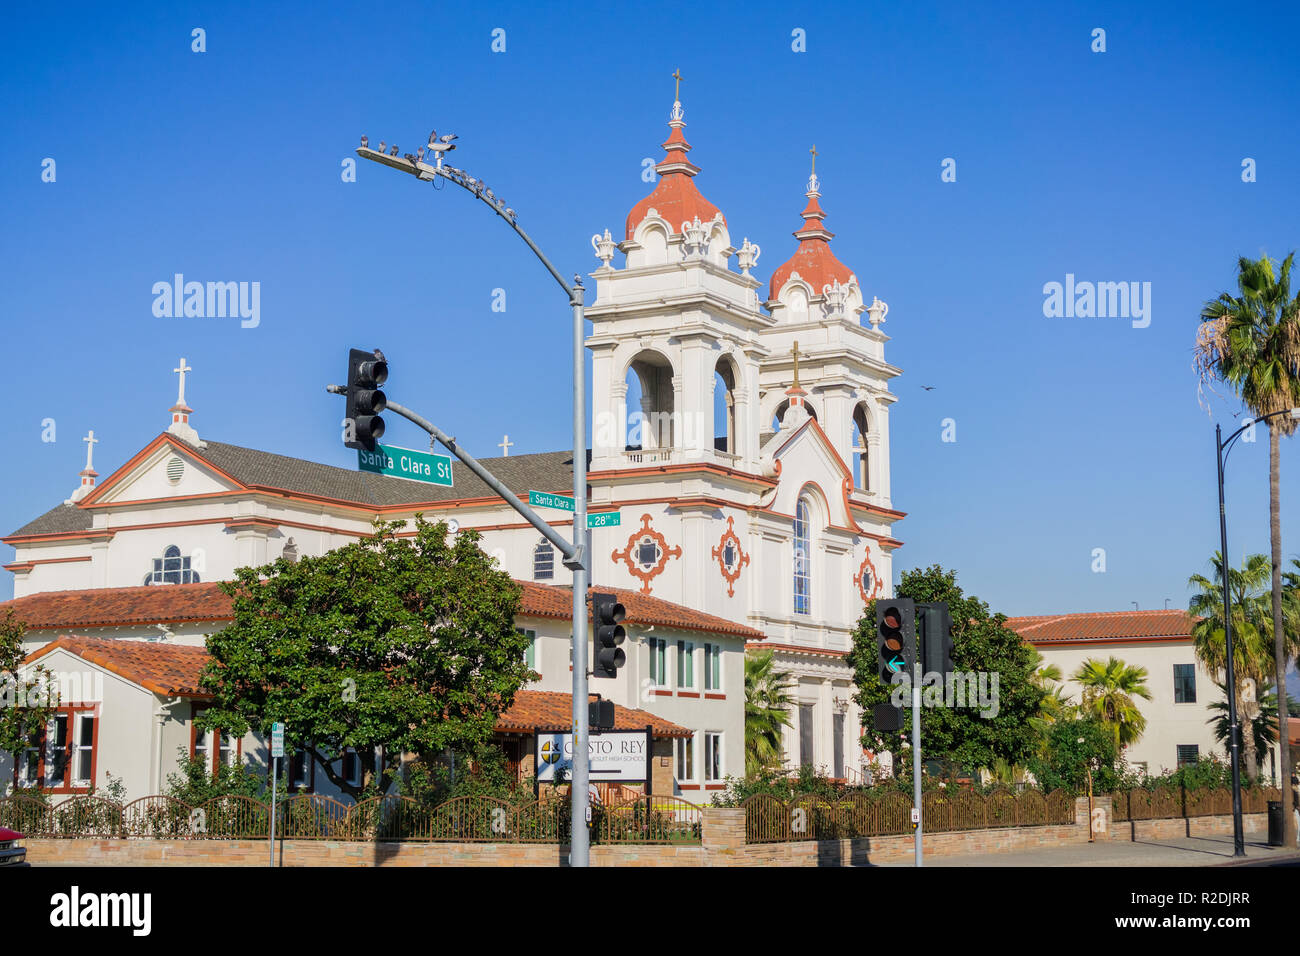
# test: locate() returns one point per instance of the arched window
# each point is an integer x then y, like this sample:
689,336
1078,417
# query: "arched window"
543,561
862,463
802,558
171,568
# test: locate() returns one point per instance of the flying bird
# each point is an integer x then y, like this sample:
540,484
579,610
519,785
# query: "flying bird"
928,388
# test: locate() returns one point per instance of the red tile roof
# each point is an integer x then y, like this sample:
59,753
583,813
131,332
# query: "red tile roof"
117,607
174,670
1105,627
553,710
169,669
177,603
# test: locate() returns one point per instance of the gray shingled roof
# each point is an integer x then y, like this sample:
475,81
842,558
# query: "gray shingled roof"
547,471
59,519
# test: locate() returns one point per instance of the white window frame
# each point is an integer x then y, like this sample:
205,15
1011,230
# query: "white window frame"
713,749
801,568
713,668
530,653
544,561
686,665
658,662
684,750
77,750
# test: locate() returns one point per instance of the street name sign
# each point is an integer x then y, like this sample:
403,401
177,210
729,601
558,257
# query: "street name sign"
604,519
542,499
277,740
407,463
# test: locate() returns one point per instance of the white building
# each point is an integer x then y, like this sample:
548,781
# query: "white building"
775,515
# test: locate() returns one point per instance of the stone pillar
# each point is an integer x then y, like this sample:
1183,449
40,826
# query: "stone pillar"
722,832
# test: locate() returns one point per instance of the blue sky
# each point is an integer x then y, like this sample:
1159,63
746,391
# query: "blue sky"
1072,434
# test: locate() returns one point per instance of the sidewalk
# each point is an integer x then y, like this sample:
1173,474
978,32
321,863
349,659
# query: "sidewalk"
1183,851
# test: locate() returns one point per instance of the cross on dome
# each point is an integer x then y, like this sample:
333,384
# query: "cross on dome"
813,259
675,197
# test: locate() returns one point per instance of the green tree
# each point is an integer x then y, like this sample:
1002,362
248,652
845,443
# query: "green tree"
767,710
1077,744
1251,341
390,645
26,699
1252,646
1108,692
982,643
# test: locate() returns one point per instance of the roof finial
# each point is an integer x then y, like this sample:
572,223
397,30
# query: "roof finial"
814,156
88,474
91,441
677,91
794,352
814,184
180,425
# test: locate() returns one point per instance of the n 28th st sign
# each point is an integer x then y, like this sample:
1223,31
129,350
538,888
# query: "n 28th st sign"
406,463
615,755
600,519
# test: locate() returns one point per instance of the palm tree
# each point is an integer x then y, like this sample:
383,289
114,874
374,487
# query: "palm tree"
1055,703
1252,342
1108,692
1262,734
1252,649
767,710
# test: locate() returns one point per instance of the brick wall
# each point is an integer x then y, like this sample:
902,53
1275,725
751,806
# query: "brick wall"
722,844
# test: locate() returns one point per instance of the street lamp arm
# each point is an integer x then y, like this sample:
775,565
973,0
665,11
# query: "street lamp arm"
1293,412
422,170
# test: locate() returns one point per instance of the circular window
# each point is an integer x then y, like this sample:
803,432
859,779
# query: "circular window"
175,469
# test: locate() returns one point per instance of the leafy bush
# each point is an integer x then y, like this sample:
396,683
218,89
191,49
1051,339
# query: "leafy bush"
193,782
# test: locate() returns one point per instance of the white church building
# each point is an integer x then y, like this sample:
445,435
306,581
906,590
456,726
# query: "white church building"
770,524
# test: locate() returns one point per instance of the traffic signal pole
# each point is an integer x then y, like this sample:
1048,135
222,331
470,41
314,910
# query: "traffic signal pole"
577,558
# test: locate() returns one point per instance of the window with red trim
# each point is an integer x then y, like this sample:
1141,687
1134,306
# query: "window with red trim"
228,751
62,757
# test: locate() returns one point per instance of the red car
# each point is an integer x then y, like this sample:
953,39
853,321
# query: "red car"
11,852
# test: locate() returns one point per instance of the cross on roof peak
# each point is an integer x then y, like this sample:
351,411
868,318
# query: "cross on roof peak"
182,370
677,91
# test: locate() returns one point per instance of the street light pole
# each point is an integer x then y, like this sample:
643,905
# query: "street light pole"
1221,450
580,560
1238,837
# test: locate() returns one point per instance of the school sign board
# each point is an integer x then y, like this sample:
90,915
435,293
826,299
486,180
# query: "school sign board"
620,755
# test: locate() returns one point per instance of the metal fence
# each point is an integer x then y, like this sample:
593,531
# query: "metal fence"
889,812
639,819
1171,802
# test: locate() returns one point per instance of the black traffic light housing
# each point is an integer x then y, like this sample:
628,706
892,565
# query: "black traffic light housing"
600,714
366,372
609,615
935,625
895,637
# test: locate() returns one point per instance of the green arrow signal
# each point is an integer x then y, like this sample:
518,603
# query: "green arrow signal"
896,665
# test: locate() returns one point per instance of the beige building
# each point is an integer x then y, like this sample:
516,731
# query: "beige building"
1178,714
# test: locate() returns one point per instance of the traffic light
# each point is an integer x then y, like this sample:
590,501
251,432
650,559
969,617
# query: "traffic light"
600,714
609,616
895,637
366,372
936,638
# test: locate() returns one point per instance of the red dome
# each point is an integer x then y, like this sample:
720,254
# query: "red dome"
675,196
813,259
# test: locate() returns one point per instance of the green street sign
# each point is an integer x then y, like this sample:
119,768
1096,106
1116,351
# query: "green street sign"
406,463
604,519
540,499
